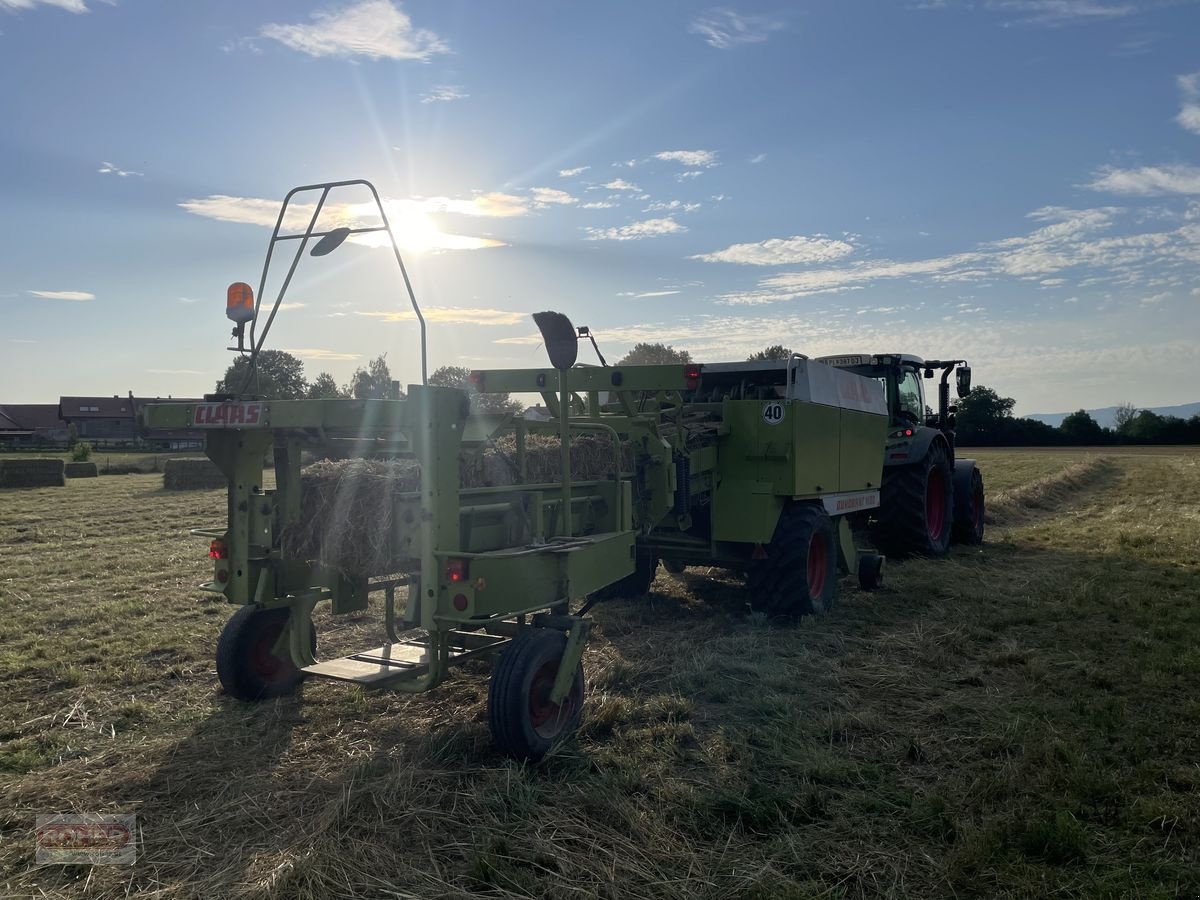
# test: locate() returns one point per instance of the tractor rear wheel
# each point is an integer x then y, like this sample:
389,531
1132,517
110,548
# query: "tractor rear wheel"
633,585
916,509
246,665
968,528
799,575
525,724
673,567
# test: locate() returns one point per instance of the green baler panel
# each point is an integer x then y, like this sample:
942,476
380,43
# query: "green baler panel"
863,437
816,431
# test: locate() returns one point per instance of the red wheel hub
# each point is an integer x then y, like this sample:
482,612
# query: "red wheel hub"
935,504
818,565
546,717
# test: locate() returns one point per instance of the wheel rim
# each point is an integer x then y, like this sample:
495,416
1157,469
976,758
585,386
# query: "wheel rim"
818,565
978,510
935,504
548,718
265,665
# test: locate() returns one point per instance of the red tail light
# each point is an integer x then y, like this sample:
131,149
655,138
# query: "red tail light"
456,570
692,375
218,550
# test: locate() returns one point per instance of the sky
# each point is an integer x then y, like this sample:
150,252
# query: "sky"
1016,182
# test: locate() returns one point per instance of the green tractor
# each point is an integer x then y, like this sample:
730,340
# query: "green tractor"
929,497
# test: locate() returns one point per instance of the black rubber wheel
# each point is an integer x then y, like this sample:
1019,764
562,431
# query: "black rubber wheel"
247,668
916,509
633,585
968,528
870,571
524,723
672,567
799,575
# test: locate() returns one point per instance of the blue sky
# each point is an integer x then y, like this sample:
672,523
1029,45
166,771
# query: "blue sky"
1016,181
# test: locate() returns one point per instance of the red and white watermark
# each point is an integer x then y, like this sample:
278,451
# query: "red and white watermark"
86,839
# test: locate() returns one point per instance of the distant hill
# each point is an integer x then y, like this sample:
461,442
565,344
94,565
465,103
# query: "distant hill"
1107,417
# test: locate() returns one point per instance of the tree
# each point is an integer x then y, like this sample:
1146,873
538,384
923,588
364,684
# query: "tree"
1123,417
325,387
644,354
375,381
278,376
1081,428
459,377
775,351
982,416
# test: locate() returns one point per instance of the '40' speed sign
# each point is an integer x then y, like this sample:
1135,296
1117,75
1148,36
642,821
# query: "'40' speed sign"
772,412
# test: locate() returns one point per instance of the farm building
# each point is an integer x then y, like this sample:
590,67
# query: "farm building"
114,421
31,425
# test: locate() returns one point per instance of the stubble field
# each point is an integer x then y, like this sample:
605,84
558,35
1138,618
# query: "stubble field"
1016,720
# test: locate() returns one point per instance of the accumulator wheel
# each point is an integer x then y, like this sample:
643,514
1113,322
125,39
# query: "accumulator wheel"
870,571
247,668
916,509
968,527
524,723
673,567
799,575
633,585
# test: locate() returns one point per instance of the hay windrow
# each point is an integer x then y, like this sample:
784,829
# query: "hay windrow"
347,506
1047,493
192,475
32,473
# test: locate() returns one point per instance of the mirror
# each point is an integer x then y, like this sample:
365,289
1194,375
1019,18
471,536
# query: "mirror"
929,373
330,242
963,380
560,337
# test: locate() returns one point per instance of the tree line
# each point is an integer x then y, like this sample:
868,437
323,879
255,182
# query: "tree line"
985,419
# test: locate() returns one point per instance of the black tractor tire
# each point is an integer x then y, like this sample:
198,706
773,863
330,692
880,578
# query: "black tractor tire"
673,567
246,667
799,575
916,508
633,585
523,721
968,528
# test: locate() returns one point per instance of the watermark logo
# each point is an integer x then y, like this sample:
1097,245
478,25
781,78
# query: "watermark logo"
86,839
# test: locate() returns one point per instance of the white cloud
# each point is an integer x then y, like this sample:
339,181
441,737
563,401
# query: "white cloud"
107,168
189,299
287,306
376,29
694,173
757,158
620,184
691,158
543,196
598,204
638,296
1149,180
671,206
444,93
321,353
452,315
64,295
725,28
571,173
1189,114
1155,299
636,230
75,6
1062,12
781,251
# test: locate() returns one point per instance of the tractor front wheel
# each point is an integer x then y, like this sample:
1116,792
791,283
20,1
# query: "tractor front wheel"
916,509
525,723
968,527
799,575
246,663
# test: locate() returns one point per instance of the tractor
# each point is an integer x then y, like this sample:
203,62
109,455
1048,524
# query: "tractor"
929,497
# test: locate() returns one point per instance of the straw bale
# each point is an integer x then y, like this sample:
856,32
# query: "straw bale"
32,473
81,470
192,475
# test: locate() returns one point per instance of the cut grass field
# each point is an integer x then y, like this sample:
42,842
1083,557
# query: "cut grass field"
1017,720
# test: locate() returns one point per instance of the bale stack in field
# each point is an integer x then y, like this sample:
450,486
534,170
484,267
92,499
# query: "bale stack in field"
192,475
347,506
81,470
32,473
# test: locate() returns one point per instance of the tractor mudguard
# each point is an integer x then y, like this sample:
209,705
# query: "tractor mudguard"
918,447
963,468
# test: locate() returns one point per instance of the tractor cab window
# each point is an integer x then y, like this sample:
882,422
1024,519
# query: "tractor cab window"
909,402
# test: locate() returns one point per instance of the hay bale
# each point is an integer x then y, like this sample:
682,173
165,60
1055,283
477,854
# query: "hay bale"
33,473
81,470
347,506
192,475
